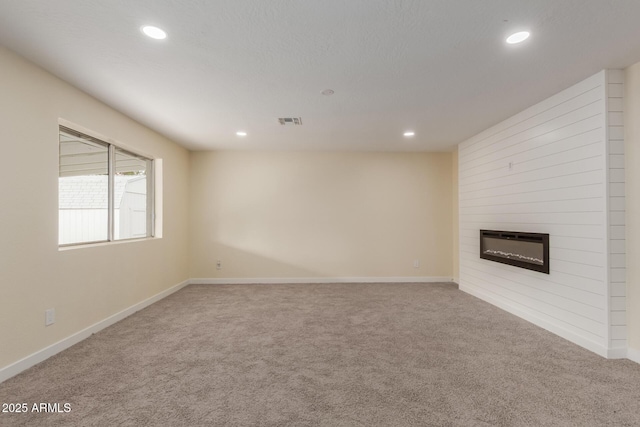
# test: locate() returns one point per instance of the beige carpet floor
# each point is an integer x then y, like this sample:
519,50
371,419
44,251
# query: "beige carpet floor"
327,355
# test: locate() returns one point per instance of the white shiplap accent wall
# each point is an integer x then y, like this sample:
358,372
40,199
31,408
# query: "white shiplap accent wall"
617,253
546,170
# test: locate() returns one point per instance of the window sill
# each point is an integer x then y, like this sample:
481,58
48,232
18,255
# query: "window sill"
74,246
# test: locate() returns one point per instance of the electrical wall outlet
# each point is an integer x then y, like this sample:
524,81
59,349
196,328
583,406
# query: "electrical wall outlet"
218,265
49,316
416,263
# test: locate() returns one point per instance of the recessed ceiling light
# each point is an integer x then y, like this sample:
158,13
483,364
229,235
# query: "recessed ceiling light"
241,133
327,92
409,133
154,32
518,37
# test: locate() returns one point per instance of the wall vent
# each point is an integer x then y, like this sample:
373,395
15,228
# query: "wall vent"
290,121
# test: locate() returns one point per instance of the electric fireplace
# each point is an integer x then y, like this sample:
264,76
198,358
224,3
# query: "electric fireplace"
524,250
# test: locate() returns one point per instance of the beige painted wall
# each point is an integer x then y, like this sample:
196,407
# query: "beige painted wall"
632,171
454,216
83,285
307,215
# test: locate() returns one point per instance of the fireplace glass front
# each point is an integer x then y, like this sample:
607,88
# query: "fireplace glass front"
525,250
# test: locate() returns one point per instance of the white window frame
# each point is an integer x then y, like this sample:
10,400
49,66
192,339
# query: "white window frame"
151,224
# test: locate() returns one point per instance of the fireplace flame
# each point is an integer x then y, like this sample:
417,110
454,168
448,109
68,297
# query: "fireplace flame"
513,255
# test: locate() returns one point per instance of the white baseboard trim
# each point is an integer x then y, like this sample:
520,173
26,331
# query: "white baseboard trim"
41,355
568,335
274,280
633,354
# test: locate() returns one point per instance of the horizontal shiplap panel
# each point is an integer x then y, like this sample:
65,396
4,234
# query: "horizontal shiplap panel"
617,232
468,239
616,218
575,122
616,175
618,332
618,303
616,161
616,133
580,134
596,314
615,104
617,261
563,230
554,218
616,189
615,90
553,289
578,257
617,204
618,275
563,169
545,195
589,284
478,288
571,311
617,246
618,318
536,112
616,147
586,290
578,244
534,302
573,180
618,344
616,118
580,270
547,170
527,170
591,204
618,289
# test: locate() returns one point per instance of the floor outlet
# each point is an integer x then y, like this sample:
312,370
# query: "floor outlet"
49,317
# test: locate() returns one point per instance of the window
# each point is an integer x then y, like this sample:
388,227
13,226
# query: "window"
105,193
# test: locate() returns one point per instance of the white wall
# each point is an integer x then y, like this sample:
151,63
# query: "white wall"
557,184
86,285
321,216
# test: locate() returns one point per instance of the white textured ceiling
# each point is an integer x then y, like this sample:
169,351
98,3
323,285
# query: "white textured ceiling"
438,67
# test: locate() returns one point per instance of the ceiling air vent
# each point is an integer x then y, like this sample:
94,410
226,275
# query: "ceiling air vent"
290,121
